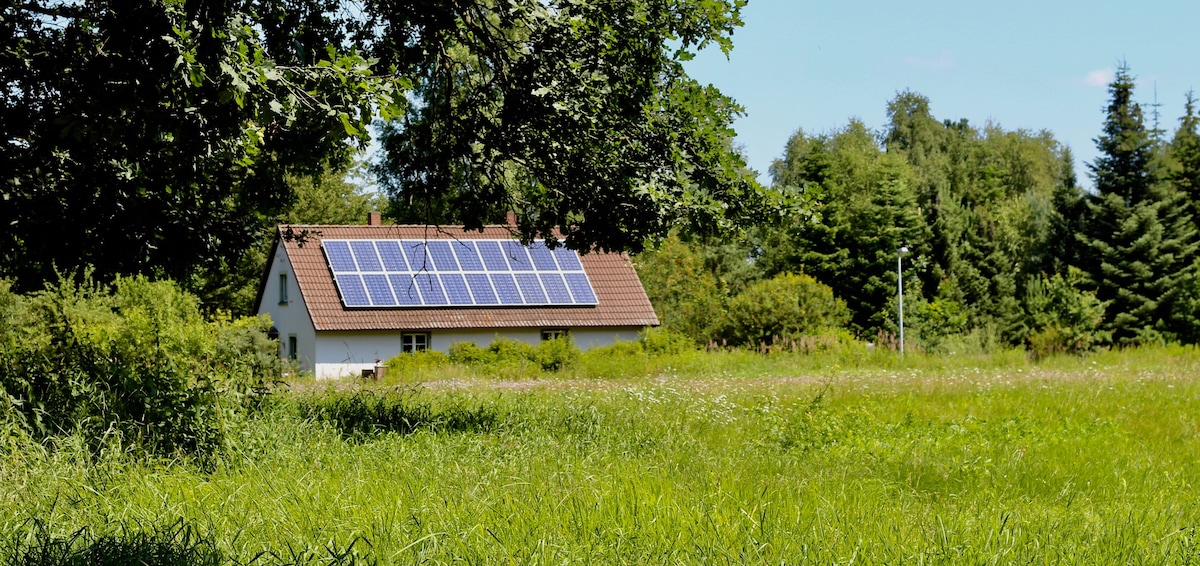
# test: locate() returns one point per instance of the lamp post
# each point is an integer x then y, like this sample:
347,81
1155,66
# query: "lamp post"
900,291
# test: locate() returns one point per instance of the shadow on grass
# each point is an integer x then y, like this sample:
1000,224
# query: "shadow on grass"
173,545
370,412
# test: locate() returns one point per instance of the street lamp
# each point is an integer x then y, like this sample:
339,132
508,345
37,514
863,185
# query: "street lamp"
900,291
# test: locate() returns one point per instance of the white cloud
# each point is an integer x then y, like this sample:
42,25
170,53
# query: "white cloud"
1099,77
943,61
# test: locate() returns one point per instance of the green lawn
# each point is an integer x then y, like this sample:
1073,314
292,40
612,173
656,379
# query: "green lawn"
718,458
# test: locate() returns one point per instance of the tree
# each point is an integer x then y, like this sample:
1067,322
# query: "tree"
156,136
1184,153
575,114
867,210
1066,219
988,196
687,297
976,205
1184,174
1139,242
330,197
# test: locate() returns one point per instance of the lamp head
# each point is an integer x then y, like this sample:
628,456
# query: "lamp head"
903,250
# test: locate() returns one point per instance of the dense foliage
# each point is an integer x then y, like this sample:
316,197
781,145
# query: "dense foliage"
1005,248
1139,239
133,364
152,137
577,115
157,136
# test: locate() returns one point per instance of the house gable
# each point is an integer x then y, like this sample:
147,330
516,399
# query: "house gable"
280,296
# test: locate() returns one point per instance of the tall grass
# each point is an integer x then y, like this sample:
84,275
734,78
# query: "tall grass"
705,459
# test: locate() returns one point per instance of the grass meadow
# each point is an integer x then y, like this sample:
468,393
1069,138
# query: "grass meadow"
716,458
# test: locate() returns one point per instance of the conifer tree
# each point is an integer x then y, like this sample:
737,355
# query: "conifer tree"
868,211
1138,244
1185,157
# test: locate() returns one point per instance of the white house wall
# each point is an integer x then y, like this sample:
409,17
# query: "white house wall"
588,338
341,354
290,317
442,341
348,353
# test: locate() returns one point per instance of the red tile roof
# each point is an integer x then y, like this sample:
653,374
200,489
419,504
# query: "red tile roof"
622,300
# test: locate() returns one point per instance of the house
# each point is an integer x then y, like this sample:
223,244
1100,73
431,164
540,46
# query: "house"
343,297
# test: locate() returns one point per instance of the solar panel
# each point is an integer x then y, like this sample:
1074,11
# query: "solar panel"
364,254
406,290
531,289
581,288
461,273
456,289
353,292
379,290
393,258
418,257
443,258
481,289
493,257
543,260
431,289
338,254
568,260
517,255
468,258
506,288
556,290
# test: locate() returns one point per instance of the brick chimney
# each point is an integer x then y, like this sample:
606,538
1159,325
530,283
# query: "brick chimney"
374,218
511,219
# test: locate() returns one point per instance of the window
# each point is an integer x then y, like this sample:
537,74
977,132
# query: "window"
554,334
283,289
292,347
414,342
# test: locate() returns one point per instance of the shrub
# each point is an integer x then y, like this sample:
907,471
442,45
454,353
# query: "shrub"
664,341
617,349
784,307
468,353
135,359
557,353
502,356
418,362
506,351
936,323
1062,318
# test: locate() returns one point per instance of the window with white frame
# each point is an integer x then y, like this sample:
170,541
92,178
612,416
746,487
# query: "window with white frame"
414,341
292,347
283,289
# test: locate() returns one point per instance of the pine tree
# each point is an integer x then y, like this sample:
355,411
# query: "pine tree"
1066,218
1185,158
1138,243
869,210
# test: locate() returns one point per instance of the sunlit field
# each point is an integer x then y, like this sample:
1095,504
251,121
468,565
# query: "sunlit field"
696,458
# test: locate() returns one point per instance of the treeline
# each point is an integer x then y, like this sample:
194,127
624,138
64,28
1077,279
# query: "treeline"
1005,247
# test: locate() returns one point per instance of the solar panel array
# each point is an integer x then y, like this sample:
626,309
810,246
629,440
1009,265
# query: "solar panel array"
467,273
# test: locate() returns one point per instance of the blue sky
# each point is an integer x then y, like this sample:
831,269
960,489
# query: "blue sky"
1021,64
